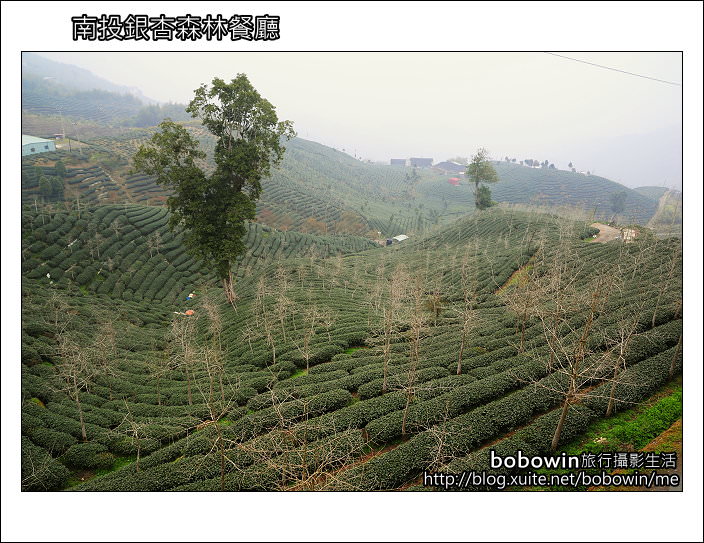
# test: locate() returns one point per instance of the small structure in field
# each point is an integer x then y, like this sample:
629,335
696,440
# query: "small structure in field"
421,162
628,235
400,237
450,167
33,146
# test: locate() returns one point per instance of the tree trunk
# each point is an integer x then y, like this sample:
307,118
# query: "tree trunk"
560,424
229,287
80,410
139,449
221,449
188,381
385,384
612,395
459,358
405,414
655,312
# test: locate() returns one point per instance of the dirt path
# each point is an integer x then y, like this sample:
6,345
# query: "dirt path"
606,233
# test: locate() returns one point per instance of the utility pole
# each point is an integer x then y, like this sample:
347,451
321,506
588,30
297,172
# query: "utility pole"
78,137
63,130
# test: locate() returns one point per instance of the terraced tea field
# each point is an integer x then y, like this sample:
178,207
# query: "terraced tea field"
129,253
320,190
341,368
520,184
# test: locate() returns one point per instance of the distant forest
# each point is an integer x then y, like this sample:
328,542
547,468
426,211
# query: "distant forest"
46,97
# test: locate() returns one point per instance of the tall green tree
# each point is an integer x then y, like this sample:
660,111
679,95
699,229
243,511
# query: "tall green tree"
45,188
481,170
57,187
213,207
483,197
60,169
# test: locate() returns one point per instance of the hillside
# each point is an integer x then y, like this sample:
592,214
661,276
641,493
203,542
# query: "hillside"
127,252
73,77
40,96
654,193
543,186
308,385
316,189
55,89
667,220
320,190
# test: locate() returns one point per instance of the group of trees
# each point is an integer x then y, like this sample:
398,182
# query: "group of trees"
51,187
532,163
587,337
153,114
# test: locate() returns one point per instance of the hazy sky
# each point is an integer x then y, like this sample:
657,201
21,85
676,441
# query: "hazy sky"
440,105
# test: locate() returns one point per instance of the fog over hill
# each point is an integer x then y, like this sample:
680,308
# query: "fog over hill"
75,77
394,105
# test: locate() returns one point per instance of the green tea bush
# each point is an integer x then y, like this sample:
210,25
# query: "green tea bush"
88,456
41,472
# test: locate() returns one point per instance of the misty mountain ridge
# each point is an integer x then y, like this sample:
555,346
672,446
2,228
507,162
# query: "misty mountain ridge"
76,78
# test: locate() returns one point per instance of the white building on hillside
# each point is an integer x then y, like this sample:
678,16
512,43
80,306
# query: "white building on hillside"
32,145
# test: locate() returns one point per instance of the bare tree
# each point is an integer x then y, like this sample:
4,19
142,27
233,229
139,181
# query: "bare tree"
182,348
294,456
417,323
311,319
76,372
393,315
211,359
135,431
434,303
116,226
626,330
154,243
282,308
520,298
248,335
105,349
565,290
467,315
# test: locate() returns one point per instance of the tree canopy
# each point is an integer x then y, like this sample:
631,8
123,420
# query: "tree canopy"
481,170
213,208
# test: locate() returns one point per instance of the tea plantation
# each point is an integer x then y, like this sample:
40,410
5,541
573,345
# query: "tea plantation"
321,190
340,366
